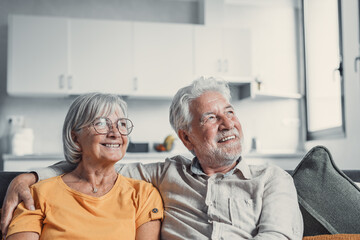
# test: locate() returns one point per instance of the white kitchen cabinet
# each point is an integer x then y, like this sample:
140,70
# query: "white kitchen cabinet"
51,56
223,52
101,54
163,58
37,55
60,56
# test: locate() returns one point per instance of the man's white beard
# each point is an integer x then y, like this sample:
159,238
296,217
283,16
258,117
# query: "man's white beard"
219,158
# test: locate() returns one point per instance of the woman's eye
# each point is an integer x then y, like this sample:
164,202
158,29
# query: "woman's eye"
100,123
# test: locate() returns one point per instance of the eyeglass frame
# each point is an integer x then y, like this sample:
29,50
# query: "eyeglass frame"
112,124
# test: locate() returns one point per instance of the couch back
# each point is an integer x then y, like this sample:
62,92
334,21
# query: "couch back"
6,177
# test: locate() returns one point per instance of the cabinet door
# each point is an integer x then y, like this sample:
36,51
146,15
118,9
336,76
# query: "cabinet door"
37,55
163,58
224,53
208,51
236,53
101,56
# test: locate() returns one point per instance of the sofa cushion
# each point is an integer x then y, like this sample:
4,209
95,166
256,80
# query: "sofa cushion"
334,237
329,200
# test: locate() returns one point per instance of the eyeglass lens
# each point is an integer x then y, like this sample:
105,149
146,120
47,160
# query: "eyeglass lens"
103,125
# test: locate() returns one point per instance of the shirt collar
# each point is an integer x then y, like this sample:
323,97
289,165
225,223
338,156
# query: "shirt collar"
241,166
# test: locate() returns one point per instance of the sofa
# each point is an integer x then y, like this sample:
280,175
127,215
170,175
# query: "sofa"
329,198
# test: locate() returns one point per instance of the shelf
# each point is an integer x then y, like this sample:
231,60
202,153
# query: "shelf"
245,89
240,90
274,96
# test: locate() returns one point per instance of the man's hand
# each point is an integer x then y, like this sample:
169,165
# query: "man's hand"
18,190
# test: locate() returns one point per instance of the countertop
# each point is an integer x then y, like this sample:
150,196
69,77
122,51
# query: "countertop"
284,159
159,155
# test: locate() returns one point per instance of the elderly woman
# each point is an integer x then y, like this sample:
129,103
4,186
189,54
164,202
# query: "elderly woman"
93,201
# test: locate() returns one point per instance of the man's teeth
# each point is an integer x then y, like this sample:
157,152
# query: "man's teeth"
112,145
227,138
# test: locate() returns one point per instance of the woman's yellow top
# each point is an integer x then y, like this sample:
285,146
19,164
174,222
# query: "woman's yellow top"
64,213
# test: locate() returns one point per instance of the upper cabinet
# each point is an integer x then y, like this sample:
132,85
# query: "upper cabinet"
59,56
163,58
223,52
101,56
37,55
69,56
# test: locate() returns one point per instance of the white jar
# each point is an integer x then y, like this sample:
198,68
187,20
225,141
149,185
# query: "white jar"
22,142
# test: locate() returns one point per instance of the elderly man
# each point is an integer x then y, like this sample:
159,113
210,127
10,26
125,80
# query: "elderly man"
214,196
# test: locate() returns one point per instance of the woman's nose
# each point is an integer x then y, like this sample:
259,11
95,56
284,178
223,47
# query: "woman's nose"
114,131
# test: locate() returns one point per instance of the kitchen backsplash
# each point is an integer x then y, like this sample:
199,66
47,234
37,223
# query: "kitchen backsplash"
266,121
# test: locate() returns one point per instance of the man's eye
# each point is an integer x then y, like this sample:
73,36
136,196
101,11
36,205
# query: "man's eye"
210,118
230,113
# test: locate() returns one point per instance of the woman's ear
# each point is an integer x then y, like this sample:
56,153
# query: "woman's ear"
184,136
74,137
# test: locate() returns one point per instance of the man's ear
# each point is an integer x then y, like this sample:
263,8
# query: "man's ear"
184,137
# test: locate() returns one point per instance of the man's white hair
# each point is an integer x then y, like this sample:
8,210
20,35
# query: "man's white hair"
180,116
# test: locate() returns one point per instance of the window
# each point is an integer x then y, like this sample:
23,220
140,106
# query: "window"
323,69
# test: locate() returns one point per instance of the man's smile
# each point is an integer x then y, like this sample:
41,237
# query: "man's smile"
226,139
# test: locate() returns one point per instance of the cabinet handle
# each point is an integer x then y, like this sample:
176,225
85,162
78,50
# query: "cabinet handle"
219,65
226,65
135,84
340,70
70,82
357,59
61,81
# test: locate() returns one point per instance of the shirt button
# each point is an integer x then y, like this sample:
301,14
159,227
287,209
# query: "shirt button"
155,210
248,202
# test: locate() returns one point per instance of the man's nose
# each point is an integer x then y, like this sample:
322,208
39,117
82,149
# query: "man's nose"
226,123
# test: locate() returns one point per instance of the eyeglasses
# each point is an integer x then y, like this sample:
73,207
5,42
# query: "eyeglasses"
102,125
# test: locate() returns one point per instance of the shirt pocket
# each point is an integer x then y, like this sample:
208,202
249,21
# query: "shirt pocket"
244,213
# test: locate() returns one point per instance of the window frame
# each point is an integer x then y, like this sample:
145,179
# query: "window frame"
334,132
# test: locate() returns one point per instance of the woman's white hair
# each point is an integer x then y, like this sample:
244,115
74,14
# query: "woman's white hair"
180,116
83,110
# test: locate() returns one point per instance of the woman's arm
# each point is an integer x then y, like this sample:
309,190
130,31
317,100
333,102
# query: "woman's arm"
18,190
149,231
23,236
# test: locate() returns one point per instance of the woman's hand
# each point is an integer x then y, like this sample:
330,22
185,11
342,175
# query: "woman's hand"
149,231
18,190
